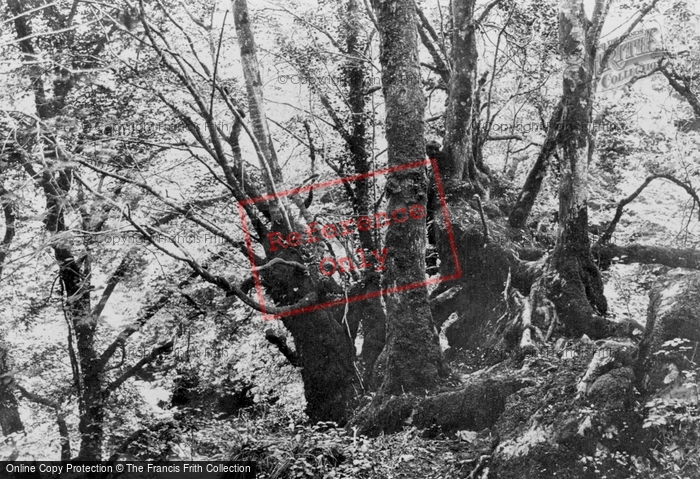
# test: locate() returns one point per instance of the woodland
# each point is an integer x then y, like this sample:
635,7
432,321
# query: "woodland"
352,238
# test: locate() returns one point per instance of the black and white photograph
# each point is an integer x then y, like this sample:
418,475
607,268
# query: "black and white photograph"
350,239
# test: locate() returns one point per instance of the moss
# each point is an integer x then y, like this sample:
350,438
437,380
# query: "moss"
614,389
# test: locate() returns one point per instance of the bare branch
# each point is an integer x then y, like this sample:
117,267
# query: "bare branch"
486,11
118,274
605,237
613,46
60,419
130,372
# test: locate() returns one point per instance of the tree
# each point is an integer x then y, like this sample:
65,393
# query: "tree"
10,421
413,358
325,351
571,280
54,175
175,68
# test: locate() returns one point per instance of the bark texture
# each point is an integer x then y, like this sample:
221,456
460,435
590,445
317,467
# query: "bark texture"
370,313
463,409
325,350
459,119
413,358
571,279
249,60
673,312
10,421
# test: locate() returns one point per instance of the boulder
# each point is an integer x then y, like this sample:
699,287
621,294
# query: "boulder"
670,342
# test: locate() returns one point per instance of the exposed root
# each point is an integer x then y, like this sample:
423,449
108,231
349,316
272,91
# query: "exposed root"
526,344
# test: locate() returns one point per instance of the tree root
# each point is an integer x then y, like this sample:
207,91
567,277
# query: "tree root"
449,412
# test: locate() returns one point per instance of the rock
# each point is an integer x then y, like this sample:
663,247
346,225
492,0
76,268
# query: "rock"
551,431
467,436
611,354
613,390
673,312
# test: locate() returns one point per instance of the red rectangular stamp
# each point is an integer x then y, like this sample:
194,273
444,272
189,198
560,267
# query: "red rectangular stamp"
332,265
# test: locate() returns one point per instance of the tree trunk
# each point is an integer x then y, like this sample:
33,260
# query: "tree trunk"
413,358
325,350
673,312
369,312
571,280
533,183
249,60
476,406
75,275
459,124
10,421
326,353
76,283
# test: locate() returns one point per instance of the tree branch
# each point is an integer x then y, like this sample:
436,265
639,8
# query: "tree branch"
163,348
644,254
684,90
145,314
60,419
118,274
618,41
429,43
281,343
486,11
605,237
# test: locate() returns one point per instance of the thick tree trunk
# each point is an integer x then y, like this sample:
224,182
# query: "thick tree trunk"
571,280
325,350
485,268
477,303
476,406
413,358
325,353
673,312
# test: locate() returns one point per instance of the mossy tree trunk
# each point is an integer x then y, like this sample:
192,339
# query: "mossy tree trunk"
459,119
413,358
571,281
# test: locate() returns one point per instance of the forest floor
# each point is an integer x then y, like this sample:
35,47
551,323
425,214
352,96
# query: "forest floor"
290,450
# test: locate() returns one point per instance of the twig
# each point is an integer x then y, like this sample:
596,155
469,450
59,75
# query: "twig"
607,235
